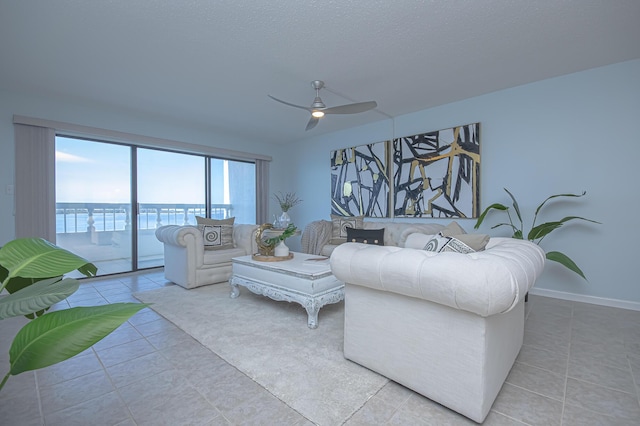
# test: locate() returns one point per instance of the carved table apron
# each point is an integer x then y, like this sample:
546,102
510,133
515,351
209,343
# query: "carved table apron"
301,280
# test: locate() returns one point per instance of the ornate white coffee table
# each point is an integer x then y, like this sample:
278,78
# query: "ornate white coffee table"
302,280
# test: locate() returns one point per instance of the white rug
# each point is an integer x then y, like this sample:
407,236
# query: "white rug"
270,342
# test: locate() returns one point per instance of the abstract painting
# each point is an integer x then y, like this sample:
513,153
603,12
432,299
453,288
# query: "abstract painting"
437,174
360,180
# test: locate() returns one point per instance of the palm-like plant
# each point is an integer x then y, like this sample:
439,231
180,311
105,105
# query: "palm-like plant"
537,232
32,272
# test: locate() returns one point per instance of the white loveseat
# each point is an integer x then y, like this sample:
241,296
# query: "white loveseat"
187,263
447,325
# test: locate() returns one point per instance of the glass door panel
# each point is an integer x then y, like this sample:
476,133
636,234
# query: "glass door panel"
93,202
171,191
233,190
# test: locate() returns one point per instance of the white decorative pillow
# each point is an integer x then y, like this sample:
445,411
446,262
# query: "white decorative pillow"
441,244
217,234
417,240
340,225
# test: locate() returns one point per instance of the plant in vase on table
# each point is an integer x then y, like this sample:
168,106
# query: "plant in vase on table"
280,248
286,202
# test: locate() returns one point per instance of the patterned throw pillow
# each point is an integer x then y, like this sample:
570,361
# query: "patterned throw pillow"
340,225
464,243
217,234
366,236
441,244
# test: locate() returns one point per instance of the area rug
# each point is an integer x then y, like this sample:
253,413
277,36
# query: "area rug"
270,342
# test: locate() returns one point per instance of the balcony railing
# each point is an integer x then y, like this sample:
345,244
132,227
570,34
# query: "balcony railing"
101,217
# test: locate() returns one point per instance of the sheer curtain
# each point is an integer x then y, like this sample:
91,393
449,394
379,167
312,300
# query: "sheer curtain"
35,192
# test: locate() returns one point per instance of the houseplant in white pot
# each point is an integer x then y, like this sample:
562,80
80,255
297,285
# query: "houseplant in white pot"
32,273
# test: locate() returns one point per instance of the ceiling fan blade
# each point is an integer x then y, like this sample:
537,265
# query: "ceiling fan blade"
312,123
290,104
351,108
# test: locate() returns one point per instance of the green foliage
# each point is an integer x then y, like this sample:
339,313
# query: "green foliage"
287,201
32,272
537,232
288,232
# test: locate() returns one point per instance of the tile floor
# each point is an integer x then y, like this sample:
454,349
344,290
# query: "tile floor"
579,365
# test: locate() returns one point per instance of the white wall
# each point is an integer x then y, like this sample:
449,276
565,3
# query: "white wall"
99,116
568,134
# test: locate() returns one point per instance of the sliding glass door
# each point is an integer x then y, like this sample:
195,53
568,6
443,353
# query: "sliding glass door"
93,202
171,191
110,199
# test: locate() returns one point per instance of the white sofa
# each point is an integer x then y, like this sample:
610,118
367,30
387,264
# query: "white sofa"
317,235
447,325
187,263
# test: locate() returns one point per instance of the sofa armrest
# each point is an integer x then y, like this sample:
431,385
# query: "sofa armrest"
179,235
244,237
484,283
188,238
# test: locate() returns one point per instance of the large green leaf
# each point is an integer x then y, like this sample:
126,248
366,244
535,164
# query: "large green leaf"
37,297
496,206
545,229
38,258
564,260
556,196
515,206
60,335
542,230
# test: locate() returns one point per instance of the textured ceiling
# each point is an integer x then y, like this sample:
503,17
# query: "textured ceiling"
212,63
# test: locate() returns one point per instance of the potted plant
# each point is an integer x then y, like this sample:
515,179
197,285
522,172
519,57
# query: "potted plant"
537,232
32,272
287,202
280,248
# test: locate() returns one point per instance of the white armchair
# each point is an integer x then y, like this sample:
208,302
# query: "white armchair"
188,264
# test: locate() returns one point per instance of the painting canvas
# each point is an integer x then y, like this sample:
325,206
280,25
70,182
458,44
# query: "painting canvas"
437,174
360,180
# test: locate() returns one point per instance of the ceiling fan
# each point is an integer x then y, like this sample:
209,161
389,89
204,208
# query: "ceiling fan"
318,109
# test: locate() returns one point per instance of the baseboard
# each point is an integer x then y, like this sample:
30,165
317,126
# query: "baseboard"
614,303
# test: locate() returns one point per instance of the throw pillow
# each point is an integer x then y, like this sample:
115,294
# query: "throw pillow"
340,225
417,240
366,236
440,244
465,243
452,229
476,241
217,234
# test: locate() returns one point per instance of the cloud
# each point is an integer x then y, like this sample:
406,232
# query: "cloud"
70,158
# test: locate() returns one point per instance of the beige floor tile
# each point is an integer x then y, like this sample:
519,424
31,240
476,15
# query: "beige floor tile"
125,352
106,410
578,416
602,400
603,375
527,407
537,380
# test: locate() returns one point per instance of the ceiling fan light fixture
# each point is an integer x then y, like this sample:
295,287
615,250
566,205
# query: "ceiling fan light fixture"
317,114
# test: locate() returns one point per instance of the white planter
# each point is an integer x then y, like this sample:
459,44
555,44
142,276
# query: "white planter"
281,250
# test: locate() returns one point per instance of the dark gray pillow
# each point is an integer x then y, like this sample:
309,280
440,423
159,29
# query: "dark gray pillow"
366,236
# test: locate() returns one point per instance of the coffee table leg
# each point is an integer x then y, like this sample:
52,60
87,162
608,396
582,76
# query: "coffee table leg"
235,291
312,313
